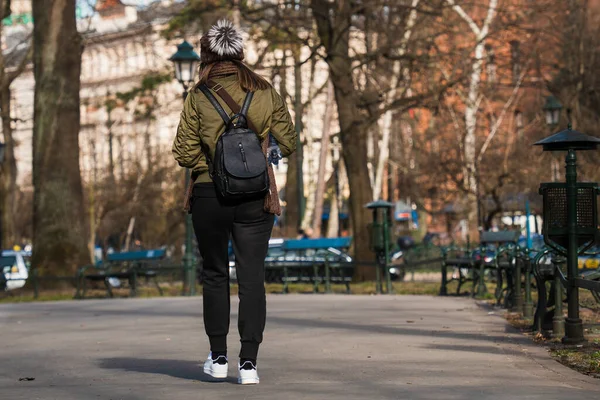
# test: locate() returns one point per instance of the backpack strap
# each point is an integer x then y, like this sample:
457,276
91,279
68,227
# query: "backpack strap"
246,104
232,104
215,103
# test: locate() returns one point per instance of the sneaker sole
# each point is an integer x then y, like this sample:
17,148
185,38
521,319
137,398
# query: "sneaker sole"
248,381
214,374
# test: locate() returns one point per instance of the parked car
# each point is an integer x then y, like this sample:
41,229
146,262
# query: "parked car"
301,262
590,261
14,267
274,244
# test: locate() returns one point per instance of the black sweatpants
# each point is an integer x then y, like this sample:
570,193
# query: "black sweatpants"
249,228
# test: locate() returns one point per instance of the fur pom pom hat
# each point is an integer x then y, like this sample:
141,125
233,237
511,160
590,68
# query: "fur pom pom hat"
222,42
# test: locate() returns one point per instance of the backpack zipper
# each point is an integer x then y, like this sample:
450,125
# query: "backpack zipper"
243,156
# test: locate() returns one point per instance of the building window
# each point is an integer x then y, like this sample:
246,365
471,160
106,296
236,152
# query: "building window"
515,54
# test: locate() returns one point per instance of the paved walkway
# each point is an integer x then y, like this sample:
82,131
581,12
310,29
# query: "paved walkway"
316,347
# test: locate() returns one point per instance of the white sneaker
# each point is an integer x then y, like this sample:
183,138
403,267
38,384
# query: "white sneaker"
247,374
216,368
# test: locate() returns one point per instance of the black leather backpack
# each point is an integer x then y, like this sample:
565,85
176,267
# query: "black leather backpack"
239,168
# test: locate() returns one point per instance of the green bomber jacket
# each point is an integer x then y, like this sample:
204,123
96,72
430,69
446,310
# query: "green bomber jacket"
200,125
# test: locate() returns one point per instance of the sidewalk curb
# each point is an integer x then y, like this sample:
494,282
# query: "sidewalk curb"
518,344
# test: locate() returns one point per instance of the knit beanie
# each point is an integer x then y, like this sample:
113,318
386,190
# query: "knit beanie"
222,42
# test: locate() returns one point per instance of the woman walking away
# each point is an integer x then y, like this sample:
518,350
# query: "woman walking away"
223,137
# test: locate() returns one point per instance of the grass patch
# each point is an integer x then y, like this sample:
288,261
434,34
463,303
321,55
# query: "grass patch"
585,359
175,289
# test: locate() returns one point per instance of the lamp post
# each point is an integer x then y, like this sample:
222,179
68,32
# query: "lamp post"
381,240
552,110
570,218
185,61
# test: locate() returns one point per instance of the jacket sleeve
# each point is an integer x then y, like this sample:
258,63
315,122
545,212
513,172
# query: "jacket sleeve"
187,149
282,127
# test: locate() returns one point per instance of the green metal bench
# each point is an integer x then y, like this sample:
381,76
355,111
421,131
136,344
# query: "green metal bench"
462,261
129,266
422,256
316,261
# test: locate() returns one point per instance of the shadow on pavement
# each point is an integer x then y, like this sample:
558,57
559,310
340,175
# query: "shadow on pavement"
469,348
190,370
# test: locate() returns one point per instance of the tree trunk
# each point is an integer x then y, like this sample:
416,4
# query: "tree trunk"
121,157
298,112
471,111
335,36
355,160
291,189
9,173
59,235
8,168
320,190
333,224
111,155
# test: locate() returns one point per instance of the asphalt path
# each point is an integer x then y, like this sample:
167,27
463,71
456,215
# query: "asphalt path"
316,347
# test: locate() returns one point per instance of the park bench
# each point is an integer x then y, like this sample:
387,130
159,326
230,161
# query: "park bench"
462,261
470,265
425,256
315,261
591,275
127,266
551,285
498,253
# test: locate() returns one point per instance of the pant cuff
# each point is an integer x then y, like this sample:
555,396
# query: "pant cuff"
249,350
218,343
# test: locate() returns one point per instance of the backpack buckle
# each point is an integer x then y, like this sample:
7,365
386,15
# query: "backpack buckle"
217,87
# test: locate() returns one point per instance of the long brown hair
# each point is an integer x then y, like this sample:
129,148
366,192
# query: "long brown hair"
249,80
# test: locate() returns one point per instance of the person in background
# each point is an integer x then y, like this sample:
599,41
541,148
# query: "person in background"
215,219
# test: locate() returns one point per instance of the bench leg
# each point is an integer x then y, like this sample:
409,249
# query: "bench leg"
542,304
133,284
327,278
461,281
499,284
158,286
285,280
83,287
444,286
78,291
108,288
481,288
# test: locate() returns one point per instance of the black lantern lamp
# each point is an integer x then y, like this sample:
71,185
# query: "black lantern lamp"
570,216
186,61
552,110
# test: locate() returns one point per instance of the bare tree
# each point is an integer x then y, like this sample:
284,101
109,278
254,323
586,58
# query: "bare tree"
59,235
323,158
11,66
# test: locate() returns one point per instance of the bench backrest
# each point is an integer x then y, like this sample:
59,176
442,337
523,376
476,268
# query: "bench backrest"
144,255
341,243
500,237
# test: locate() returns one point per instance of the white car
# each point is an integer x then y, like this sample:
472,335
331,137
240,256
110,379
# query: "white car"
14,269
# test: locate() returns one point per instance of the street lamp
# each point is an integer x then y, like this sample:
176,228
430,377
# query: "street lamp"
570,218
185,61
552,110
